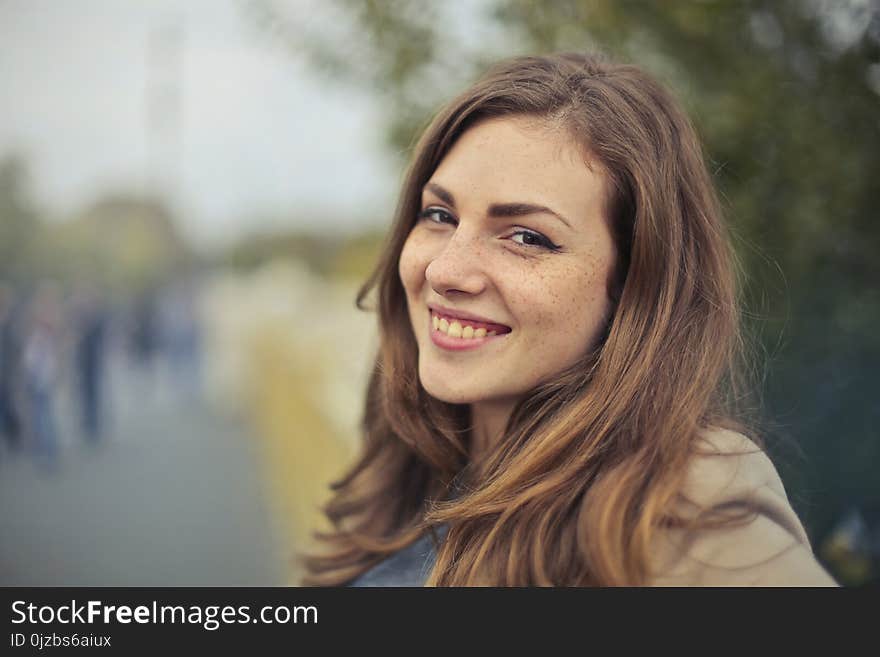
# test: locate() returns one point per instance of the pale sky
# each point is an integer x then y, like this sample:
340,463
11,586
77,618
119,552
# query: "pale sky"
259,135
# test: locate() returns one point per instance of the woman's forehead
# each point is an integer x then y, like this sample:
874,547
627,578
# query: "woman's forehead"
517,159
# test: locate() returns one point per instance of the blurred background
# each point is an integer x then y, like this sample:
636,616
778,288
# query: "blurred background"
191,193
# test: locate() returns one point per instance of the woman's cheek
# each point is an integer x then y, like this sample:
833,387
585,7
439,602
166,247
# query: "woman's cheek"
408,266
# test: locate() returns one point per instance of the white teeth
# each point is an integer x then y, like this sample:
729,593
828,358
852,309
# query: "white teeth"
457,330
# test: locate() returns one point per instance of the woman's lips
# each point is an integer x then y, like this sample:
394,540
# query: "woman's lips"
466,334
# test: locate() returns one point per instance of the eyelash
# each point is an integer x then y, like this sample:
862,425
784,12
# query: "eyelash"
544,242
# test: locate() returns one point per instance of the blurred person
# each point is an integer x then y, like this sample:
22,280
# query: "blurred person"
180,335
40,372
554,397
90,322
144,342
144,329
10,353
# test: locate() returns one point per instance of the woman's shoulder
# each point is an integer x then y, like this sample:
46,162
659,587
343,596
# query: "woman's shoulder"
729,468
768,547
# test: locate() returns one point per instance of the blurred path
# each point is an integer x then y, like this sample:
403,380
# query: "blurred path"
172,497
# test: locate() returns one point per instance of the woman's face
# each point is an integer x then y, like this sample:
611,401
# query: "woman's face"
506,270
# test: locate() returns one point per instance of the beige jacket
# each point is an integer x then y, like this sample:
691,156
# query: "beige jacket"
770,550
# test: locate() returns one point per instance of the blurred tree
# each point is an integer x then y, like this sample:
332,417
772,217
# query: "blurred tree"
331,256
19,220
786,94
315,250
128,243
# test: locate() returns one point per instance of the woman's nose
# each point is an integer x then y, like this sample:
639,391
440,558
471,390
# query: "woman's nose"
459,267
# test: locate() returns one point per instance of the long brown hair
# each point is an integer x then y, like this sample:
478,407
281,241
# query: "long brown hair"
590,463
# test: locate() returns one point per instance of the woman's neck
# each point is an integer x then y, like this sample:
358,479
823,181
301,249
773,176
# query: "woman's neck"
488,421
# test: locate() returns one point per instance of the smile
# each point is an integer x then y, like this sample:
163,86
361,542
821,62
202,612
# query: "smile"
456,334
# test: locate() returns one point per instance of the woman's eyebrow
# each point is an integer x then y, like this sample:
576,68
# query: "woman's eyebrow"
498,209
522,209
442,193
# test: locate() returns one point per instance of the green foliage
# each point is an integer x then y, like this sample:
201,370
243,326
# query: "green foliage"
315,251
124,243
786,94
19,222
128,243
331,256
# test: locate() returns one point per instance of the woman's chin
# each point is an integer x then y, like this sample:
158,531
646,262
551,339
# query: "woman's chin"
444,394
442,391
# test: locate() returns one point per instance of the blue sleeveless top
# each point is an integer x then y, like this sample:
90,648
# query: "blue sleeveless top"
408,567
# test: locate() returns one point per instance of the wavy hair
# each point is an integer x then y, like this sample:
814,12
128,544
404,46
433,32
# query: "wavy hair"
590,464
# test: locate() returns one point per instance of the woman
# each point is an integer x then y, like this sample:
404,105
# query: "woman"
551,400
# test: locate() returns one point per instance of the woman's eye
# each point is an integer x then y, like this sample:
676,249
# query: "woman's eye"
437,215
531,238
